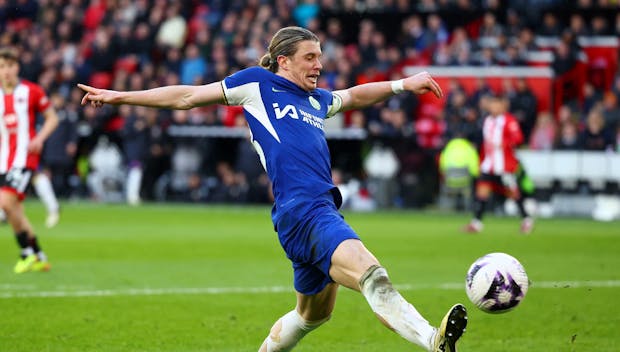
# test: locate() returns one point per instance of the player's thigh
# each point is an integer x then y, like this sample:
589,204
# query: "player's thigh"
317,306
9,199
350,261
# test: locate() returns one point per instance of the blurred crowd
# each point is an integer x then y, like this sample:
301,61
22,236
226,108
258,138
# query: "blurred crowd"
141,44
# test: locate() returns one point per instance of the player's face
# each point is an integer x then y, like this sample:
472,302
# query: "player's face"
9,70
304,67
496,107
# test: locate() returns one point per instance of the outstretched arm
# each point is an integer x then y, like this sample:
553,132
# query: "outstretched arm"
367,94
50,124
181,97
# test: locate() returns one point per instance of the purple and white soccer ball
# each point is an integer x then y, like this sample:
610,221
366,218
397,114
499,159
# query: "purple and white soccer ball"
496,283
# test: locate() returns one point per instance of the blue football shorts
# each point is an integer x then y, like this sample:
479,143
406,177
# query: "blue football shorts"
309,234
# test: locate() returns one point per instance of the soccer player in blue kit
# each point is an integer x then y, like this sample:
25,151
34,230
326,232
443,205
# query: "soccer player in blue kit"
285,112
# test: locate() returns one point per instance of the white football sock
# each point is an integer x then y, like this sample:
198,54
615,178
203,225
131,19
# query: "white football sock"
27,251
293,328
134,179
394,310
45,191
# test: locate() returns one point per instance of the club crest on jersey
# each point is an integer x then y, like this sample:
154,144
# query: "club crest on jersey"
315,103
288,110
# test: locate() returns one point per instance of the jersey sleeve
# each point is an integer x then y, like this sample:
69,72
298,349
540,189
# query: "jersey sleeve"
243,78
40,100
514,135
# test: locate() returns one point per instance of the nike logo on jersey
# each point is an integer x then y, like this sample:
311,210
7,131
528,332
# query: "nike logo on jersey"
277,90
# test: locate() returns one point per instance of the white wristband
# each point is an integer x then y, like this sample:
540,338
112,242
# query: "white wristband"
398,86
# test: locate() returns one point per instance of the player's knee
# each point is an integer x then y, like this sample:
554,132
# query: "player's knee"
513,194
375,282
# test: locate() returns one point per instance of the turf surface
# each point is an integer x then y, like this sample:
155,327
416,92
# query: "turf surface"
211,278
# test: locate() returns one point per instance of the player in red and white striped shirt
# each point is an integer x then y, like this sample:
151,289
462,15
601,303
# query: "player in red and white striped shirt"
20,146
498,163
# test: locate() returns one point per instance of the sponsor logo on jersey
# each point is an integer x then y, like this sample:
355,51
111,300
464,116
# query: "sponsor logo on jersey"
293,112
10,120
288,110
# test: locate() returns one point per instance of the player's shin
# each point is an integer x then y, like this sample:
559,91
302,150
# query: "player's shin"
24,244
479,208
288,331
34,244
134,179
45,191
393,310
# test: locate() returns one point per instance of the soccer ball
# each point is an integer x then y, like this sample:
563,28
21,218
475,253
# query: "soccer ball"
496,283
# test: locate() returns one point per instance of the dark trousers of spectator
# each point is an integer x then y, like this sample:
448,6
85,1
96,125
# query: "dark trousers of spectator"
59,176
153,169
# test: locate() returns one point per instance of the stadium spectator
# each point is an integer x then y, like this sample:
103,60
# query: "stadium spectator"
564,58
591,96
498,163
135,146
22,100
437,31
489,31
305,11
459,167
58,158
569,136
173,30
544,133
611,111
455,110
595,136
460,47
157,158
247,164
102,55
193,67
550,27
232,186
524,106
282,102
578,25
526,41
599,26
514,23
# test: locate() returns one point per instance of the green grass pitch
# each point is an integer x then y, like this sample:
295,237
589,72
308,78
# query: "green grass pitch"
213,278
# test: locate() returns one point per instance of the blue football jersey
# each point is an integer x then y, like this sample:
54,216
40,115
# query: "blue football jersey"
286,124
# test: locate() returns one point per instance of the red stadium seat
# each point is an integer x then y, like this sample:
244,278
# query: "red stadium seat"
129,64
101,80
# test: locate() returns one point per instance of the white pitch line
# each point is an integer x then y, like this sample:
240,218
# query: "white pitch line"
271,289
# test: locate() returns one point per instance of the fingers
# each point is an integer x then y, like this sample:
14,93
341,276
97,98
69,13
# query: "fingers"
429,83
90,96
424,83
435,88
